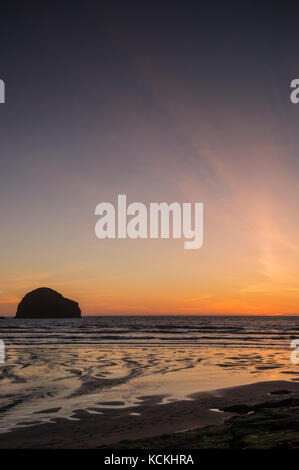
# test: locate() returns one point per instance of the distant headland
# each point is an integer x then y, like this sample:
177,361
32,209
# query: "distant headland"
47,303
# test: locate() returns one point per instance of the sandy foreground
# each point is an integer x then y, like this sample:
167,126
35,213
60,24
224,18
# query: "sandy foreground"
152,419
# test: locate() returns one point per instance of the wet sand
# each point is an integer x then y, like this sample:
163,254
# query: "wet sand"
110,426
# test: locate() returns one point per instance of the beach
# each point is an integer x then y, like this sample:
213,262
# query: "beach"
99,381
153,425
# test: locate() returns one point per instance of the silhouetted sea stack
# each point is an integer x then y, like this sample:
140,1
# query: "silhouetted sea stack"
47,303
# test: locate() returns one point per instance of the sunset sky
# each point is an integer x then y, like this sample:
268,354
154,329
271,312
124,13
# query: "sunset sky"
159,103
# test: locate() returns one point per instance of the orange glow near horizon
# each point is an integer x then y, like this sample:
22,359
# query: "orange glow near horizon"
247,265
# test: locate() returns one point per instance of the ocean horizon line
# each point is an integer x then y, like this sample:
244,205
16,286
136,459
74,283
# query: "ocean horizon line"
177,315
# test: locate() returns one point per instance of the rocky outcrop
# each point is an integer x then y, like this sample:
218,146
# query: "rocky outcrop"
47,303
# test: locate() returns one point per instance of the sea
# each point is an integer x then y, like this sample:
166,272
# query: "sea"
55,367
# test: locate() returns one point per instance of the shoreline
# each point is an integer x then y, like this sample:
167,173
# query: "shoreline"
110,427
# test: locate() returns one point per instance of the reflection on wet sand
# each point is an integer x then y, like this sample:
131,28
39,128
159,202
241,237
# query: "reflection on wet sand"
51,382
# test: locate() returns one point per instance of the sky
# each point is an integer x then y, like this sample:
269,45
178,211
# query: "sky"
177,102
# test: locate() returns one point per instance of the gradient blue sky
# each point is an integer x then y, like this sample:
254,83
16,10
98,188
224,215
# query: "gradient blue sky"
162,103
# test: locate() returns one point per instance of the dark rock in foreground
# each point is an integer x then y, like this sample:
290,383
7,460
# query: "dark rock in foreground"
266,426
47,303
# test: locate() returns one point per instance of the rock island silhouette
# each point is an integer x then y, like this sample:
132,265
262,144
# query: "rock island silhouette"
47,303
